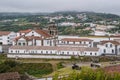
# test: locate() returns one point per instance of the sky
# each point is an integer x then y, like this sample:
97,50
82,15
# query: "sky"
104,6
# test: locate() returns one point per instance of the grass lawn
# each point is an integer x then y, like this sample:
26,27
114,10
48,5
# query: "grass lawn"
63,71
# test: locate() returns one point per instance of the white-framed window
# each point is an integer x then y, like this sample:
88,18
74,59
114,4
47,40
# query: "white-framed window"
47,42
112,51
110,45
106,45
90,53
11,51
104,50
95,53
67,53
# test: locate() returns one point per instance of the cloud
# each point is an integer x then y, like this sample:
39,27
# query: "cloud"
108,6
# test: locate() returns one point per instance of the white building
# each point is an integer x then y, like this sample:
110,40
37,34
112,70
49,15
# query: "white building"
34,38
109,47
100,33
81,42
52,50
7,37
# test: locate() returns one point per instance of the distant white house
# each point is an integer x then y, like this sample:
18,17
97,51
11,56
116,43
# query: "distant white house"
7,37
84,42
67,24
100,33
109,47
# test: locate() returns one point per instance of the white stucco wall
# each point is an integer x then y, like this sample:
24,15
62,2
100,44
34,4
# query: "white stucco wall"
38,56
0,48
108,49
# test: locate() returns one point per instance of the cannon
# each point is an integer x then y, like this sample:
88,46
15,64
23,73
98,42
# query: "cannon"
76,67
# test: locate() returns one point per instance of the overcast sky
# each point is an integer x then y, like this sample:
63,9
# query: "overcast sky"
107,6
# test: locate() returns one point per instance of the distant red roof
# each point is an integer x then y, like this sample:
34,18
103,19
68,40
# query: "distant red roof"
76,39
25,31
39,31
4,33
112,69
10,76
43,33
61,48
28,38
113,42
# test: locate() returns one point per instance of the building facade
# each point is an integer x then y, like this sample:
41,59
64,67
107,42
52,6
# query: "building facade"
109,47
6,37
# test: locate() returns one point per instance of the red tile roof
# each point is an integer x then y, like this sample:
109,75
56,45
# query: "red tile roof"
4,33
28,38
61,48
76,39
43,33
25,31
9,76
109,41
39,31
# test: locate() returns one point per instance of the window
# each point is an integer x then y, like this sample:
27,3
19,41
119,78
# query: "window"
23,44
51,52
67,42
8,38
90,53
74,42
106,45
47,42
95,53
46,52
62,52
89,42
84,42
104,51
80,42
41,52
11,51
119,49
112,51
73,53
19,43
110,45
67,53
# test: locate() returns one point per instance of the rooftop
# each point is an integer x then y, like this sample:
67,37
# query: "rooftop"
9,76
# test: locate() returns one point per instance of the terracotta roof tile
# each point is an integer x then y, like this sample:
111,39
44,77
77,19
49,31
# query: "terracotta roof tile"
39,31
9,76
76,39
28,38
25,31
113,42
4,32
43,33
61,48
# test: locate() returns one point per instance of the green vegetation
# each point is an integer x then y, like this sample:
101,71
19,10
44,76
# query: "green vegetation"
35,69
89,74
74,31
60,65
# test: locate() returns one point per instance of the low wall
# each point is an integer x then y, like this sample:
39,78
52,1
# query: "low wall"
38,56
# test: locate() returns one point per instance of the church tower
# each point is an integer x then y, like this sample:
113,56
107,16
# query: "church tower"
53,30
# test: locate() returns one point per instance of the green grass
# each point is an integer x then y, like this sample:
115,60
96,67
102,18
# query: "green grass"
34,69
89,74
